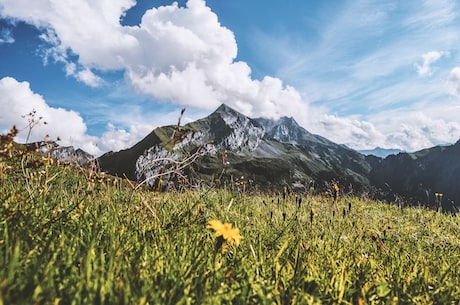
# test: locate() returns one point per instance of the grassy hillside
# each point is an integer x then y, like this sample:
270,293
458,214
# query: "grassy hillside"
71,236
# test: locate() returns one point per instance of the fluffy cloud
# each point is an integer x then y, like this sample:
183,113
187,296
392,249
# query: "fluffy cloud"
177,54
67,125
18,100
115,139
428,59
403,129
421,131
357,134
89,78
415,129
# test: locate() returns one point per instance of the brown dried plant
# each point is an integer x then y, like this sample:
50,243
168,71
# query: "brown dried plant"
32,121
6,142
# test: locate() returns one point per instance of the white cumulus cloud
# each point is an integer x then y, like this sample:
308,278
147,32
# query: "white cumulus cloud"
115,139
357,134
177,54
18,100
415,129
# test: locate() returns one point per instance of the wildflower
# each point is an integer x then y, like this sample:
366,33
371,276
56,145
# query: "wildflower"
438,199
335,187
225,234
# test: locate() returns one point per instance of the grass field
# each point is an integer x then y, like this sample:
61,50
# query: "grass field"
71,236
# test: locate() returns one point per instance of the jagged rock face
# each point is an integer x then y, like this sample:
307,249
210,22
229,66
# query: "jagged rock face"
285,129
330,154
225,129
64,153
279,152
233,131
151,163
157,160
251,151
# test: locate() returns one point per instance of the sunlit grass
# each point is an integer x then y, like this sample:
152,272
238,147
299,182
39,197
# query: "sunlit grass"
71,236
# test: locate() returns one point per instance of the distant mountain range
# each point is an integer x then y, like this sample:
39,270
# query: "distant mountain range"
63,153
380,152
230,149
418,176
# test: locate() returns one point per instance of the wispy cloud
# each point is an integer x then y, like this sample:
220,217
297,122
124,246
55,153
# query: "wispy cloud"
429,58
428,15
366,64
6,36
87,77
454,80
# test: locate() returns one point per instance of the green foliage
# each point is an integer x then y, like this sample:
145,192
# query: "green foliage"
72,236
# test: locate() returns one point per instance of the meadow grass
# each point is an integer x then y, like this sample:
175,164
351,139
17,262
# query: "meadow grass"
71,236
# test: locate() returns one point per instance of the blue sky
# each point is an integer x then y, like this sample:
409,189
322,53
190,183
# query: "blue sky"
104,73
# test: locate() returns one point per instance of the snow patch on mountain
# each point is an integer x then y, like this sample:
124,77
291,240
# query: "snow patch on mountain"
196,140
159,162
285,129
64,153
244,132
152,162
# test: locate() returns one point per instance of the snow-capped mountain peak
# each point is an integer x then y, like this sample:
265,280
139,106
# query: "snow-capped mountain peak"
234,130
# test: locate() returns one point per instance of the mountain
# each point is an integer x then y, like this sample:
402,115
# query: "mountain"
340,158
227,148
63,153
228,145
380,152
418,176
286,130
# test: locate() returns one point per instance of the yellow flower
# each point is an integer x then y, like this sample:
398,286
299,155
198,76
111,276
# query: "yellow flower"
335,187
229,234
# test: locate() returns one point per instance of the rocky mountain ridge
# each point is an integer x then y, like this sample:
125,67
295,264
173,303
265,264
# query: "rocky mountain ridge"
271,154
63,153
267,155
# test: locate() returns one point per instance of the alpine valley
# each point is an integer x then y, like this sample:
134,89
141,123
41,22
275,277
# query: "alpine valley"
230,149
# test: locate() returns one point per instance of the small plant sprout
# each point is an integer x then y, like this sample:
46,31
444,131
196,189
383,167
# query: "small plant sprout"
312,215
438,200
225,234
